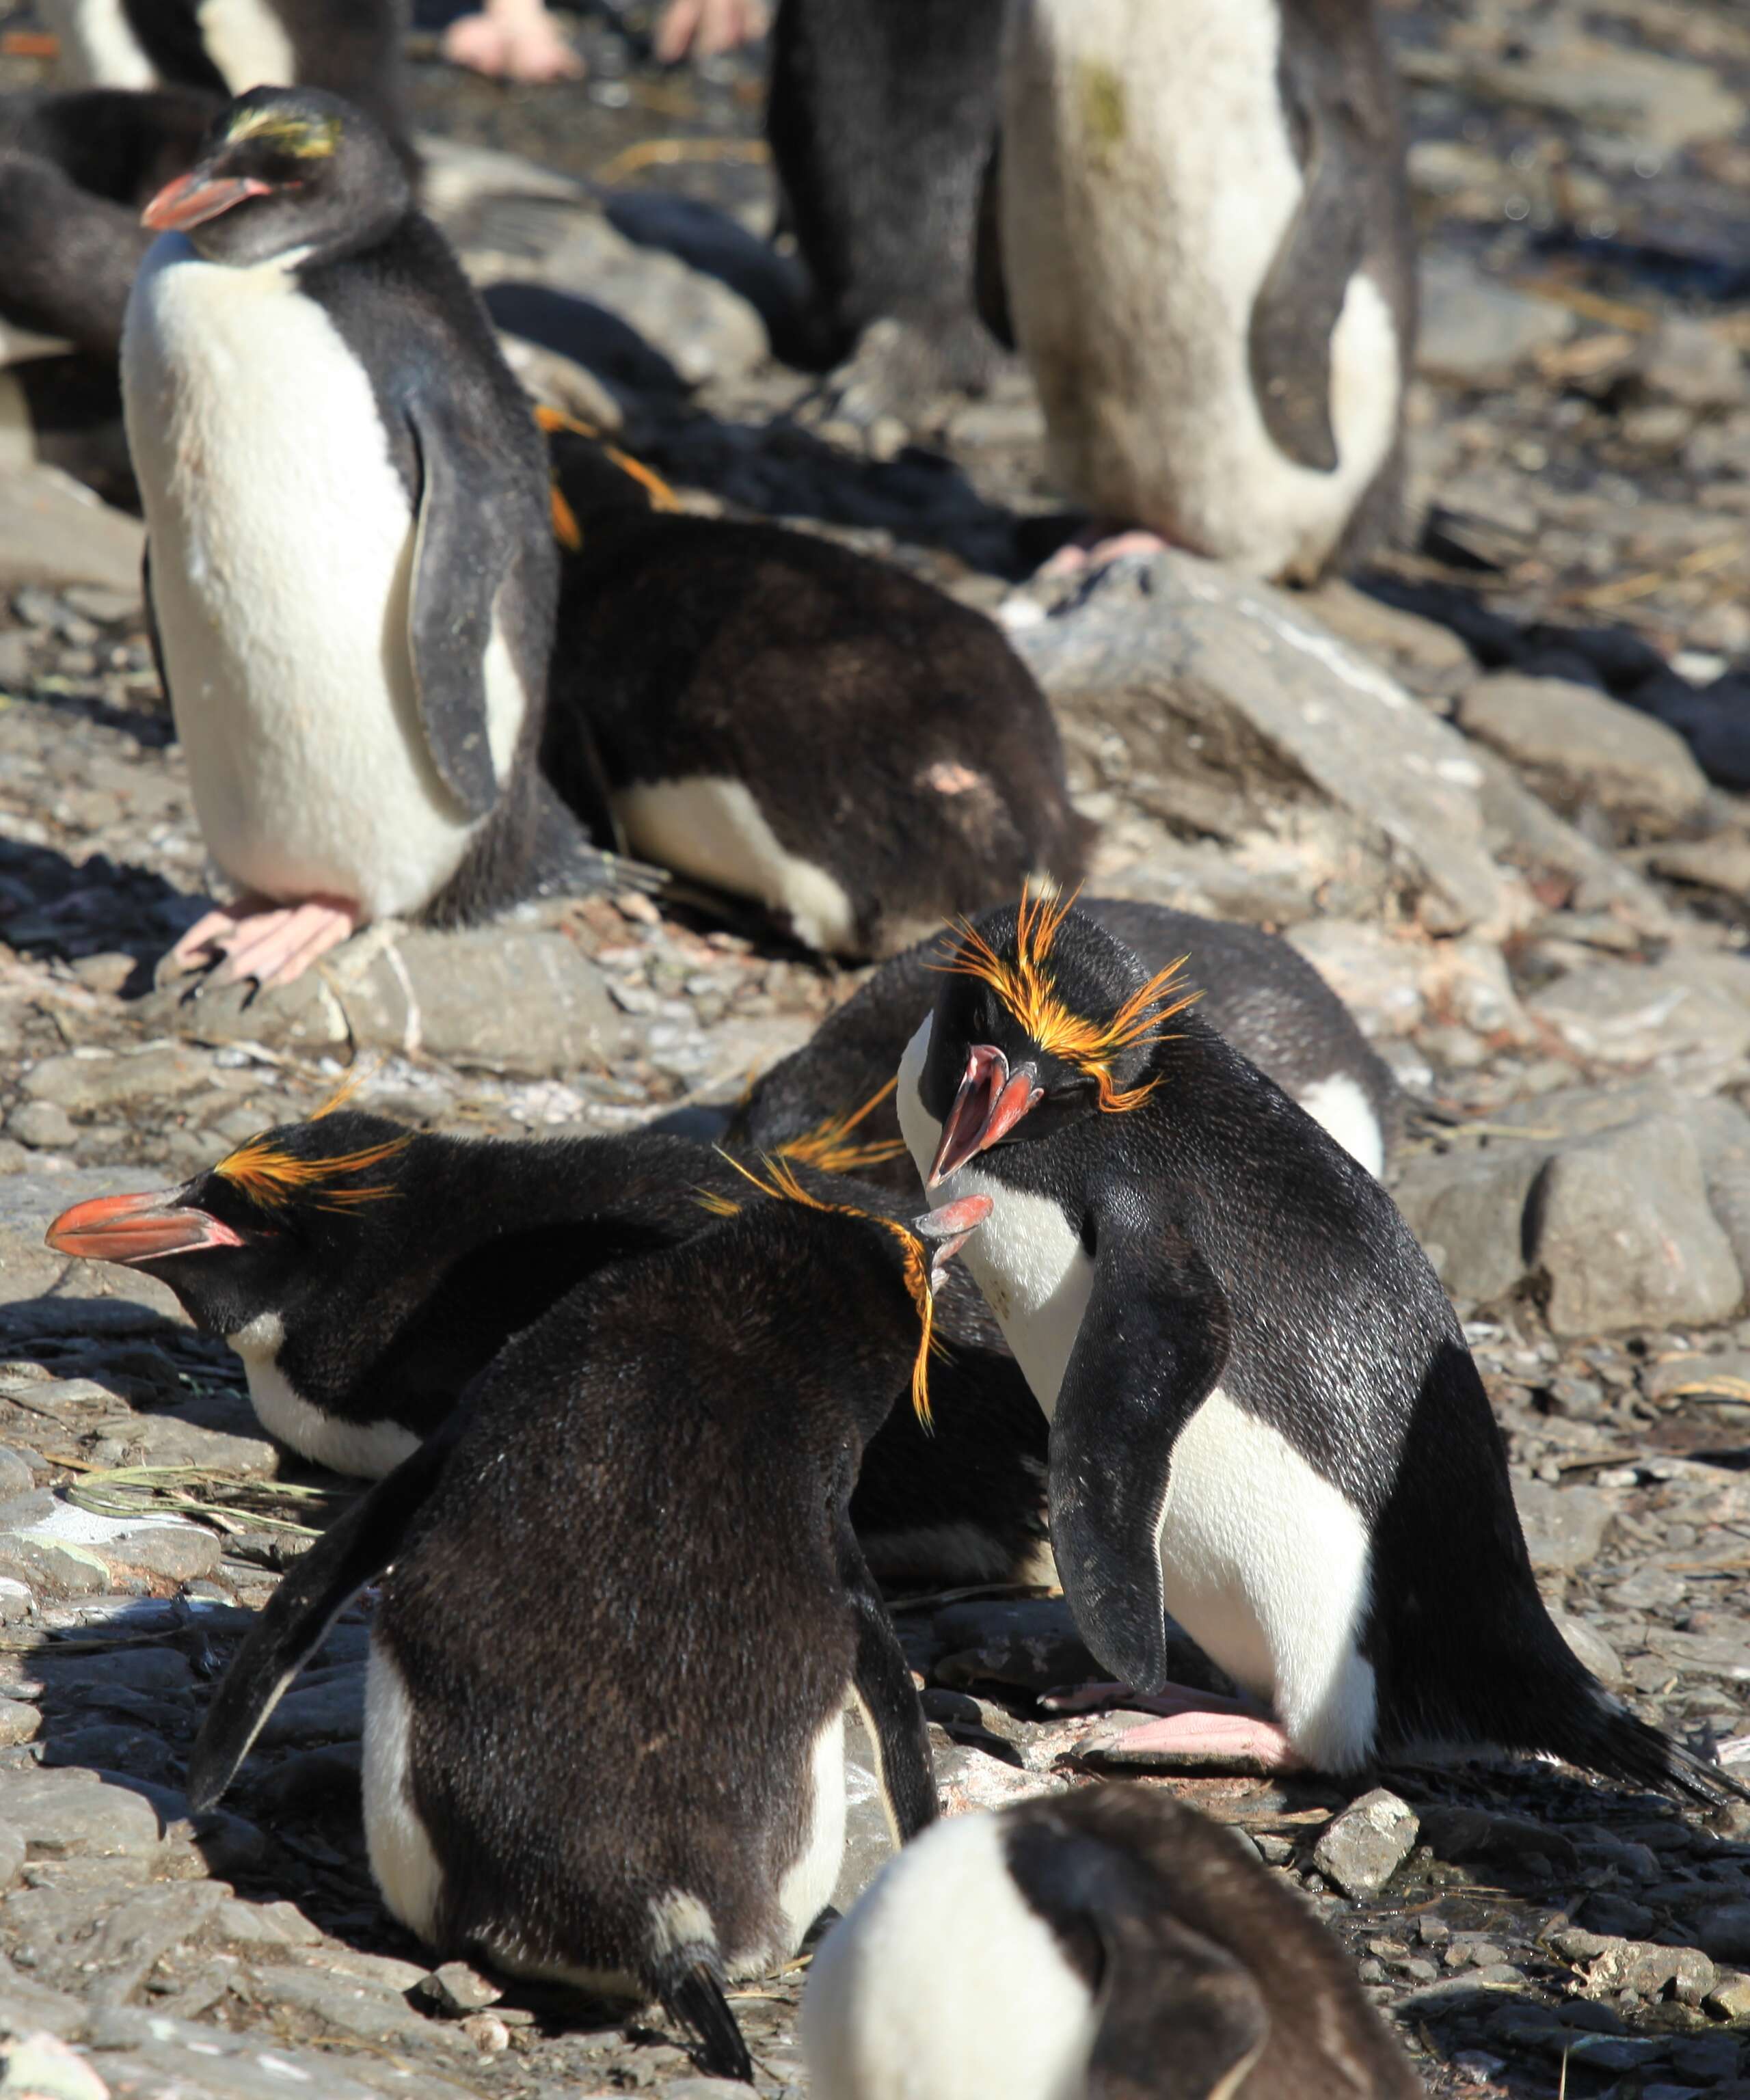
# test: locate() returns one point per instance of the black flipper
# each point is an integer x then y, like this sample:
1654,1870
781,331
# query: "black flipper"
990,291
695,1999
309,1599
1153,1342
882,1679
461,556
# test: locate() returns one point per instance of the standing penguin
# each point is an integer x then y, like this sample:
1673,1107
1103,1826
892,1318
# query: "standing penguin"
880,122
351,572
1264,1418
1209,264
1257,991
605,1705
1104,1943
365,1272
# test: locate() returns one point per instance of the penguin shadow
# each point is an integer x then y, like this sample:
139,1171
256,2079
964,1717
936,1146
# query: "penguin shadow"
56,910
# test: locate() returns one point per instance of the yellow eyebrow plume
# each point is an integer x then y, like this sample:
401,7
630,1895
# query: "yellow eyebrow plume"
1027,989
829,1146
781,1185
272,1178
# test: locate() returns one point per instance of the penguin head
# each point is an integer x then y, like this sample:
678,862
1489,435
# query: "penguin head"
1043,1018
285,169
287,1213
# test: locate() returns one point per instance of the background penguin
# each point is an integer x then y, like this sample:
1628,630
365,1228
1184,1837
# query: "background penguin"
795,723
1257,991
880,121
1106,1943
1264,1417
1207,261
368,468
365,1272
619,1760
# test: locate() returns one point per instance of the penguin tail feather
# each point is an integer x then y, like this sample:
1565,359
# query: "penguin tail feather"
296,1622
1604,1736
692,1994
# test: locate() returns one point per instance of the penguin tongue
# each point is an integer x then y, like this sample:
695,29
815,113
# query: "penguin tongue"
134,1228
192,199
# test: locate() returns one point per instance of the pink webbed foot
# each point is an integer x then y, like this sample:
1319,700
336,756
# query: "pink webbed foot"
513,40
271,943
1221,1737
704,27
1092,547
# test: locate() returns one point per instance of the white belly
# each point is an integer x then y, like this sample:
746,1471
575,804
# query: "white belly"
944,1983
404,1861
282,543
98,46
807,1887
1151,181
1263,1563
1341,1109
367,1448
247,42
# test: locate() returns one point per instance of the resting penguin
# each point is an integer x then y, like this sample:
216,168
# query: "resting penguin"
354,596
365,1272
880,121
1264,1418
605,1705
1257,991
1104,1943
1207,261
797,724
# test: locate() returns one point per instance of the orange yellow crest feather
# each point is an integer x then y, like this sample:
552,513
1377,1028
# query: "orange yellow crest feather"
781,1185
272,1177
829,1146
1029,991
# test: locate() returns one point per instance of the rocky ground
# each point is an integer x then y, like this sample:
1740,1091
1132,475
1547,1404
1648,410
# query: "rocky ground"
1494,790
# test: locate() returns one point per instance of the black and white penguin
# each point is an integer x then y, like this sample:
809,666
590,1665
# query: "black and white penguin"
795,723
1104,1943
605,1705
226,47
365,1272
353,594
1207,261
1264,1417
1257,991
880,121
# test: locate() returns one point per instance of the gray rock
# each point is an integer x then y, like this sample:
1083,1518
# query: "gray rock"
1214,703
40,2066
134,1934
1031,1643
454,1987
1646,1971
1660,102
1563,1527
101,1084
514,997
1467,1208
67,1814
343,2001
202,2061
1377,978
53,530
331,1710
1521,828
1361,1850
178,1553
11,1855
1724,1933
1729,1998
1577,747
1475,332
1591,1648
1692,1010
44,1126
868,1840
1620,1226
1685,361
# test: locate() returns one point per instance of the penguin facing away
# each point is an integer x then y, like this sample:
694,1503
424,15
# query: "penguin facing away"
1257,991
353,595
365,1272
1264,1418
1209,264
573,1588
795,723
1106,1944
880,119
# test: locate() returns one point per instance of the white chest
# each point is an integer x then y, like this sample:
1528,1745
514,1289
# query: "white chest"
282,544
246,40
367,1448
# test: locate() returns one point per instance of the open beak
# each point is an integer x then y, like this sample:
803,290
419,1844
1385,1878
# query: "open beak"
191,199
949,1229
129,1229
992,1100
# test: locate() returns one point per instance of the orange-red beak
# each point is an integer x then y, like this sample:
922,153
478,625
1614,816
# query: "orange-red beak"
992,1100
948,1230
131,1229
191,199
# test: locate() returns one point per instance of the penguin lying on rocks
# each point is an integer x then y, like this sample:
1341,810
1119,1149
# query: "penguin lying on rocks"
880,121
1257,991
354,597
365,1272
604,1737
1208,262
1264,1418
797,724
1107,1942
